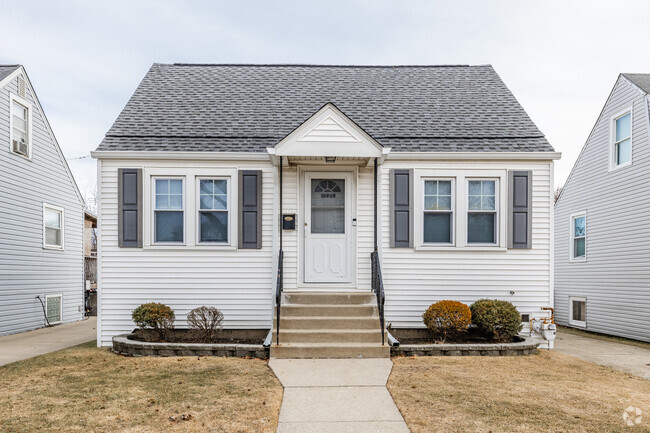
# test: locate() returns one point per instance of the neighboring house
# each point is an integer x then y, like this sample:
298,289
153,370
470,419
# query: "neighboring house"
206,163
90,262
41,216
602,267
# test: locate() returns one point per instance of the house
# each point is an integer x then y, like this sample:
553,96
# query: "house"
41,209
90,263
602,270
219,184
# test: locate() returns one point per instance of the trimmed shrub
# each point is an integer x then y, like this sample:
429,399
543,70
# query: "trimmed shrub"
445,318
156,317
497,319
205,322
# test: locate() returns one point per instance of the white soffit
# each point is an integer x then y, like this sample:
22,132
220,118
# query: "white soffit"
329,132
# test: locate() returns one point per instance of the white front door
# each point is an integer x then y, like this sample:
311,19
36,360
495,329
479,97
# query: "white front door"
328,227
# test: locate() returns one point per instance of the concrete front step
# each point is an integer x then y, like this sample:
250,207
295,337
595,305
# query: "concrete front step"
328,298
330,350
329,336
311,310
328,322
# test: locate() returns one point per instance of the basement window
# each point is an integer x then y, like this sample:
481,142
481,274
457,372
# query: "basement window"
578,311
53,308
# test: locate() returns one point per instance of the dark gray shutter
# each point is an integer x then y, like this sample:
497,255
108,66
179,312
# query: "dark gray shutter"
401,208
520,209
250,209
129,207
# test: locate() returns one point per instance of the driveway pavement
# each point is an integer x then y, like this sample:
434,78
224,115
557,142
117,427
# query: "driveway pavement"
16,347
630,359
336,396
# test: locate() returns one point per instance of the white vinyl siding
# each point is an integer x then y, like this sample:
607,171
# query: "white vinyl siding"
26,268
237,281
614,279
414,278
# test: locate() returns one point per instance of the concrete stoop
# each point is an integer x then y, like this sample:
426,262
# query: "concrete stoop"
329,325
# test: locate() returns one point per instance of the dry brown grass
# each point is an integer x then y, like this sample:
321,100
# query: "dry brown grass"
548,392
86,389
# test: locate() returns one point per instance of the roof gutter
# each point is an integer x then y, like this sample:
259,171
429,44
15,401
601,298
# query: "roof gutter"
495,156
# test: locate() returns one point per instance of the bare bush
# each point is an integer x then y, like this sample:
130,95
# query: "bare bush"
205,322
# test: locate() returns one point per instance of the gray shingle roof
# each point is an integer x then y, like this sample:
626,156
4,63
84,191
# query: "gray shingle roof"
641,80
251,107
6,70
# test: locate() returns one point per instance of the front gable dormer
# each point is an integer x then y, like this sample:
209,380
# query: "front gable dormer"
329,132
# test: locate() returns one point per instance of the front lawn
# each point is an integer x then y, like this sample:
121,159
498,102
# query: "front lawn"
548,392
88,389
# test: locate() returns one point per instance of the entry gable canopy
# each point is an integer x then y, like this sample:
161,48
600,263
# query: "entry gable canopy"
329,132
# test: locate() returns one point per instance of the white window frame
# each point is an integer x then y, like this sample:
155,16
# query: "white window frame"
497,214
154,210
17,99
61,210
423,211
460,177
228,209
190,173
572,321
572,218
613,142
47,298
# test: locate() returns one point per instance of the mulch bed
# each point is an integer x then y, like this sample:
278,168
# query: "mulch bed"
186,336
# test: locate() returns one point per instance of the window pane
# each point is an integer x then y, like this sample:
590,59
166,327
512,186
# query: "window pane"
52,236
444,202
214,226
206,186
20,111
437,227
175,186
430,187
168,226
162,186
444,187
328,206
474,187
206,201
579,247
53,309
52,218
623,125
623,152
430,203
579,226
162,202
175,201
579,312
487,187
220,186
214,194
20,124
487,202
474,202
480,228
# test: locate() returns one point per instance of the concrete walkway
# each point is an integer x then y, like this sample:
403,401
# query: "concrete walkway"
630,359
336,396
16,347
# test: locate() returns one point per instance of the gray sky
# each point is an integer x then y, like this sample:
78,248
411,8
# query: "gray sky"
85,58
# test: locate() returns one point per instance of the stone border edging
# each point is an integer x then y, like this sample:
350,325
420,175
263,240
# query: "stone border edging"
123,346
493,349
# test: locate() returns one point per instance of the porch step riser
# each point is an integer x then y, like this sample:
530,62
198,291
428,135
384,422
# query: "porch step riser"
306,352
328,310
320,323
328,298
294,336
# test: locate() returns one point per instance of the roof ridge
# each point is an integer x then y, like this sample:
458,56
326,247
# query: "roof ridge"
310,65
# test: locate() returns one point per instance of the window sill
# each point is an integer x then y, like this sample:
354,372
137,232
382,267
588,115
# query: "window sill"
578,260
53,247
183,247
619,167
495,248
578,324
28,158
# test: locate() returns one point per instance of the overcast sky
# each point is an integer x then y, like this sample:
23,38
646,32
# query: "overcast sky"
560,59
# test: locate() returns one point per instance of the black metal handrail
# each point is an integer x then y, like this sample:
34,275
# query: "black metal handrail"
278,295
378,289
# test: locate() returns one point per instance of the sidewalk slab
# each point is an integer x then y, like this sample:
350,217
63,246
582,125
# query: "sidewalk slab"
25,345
618,356
332,372
344,427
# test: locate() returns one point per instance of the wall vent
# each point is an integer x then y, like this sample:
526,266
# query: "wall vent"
21,87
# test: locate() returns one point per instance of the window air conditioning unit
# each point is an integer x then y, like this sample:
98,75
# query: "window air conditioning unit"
20,147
